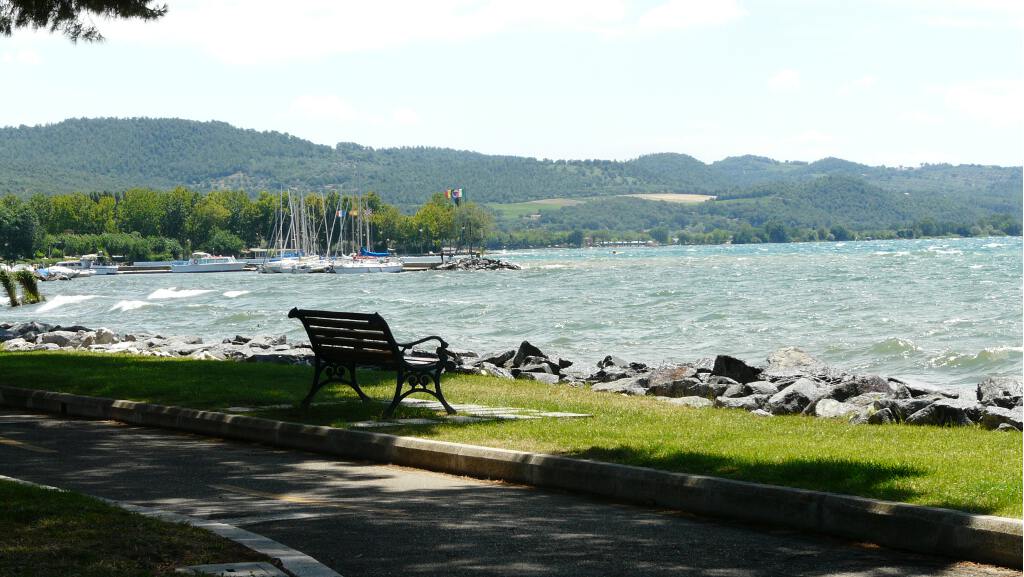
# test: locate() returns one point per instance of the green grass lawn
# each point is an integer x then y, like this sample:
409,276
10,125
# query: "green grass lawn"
960,468
44,533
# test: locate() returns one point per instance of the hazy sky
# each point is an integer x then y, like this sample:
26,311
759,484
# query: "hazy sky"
880,82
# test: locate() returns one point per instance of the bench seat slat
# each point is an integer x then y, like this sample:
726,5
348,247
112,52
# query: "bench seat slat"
356,324
347,333
349,352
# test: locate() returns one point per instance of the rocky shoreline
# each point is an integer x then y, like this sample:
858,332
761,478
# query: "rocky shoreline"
790,382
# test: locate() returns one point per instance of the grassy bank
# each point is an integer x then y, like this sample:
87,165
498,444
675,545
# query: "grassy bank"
45,533
963,468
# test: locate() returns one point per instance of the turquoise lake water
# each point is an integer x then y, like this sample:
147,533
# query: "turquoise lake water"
945,311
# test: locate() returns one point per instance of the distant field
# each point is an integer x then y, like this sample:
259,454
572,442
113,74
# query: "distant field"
520,209
672,197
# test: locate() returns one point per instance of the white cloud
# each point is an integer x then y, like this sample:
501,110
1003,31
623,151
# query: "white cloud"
996,102
405,116
689,13
787,80
264,31
323,107
24,57
921,117
974,14
863,83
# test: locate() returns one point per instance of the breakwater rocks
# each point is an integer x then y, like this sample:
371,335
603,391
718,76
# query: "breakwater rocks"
790,382
477,263
37,336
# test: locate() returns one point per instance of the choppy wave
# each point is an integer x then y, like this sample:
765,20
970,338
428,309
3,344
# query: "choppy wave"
125,306
61,300
984,358
895,346
174,293
233,294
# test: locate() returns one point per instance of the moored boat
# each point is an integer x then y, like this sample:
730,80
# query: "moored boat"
205,262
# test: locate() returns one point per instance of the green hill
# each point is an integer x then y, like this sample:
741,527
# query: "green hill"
113,155
108,154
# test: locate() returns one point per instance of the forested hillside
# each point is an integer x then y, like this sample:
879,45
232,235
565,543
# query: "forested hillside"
113,155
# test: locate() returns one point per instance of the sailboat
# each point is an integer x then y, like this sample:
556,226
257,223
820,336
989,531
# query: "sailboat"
295,252
363,260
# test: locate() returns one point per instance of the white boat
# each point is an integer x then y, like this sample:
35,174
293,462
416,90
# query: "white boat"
205,262
86,265
96,265
296,265
357,265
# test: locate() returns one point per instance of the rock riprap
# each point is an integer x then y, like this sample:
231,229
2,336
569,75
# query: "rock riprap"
791,382
477,263
36,336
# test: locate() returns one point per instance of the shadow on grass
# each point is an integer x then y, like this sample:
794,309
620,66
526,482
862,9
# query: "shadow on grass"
833,475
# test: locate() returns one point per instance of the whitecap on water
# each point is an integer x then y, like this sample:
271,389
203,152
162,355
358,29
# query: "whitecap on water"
233,294
61,300
174,293
125,306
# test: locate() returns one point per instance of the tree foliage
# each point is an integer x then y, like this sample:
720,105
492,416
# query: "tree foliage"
65,16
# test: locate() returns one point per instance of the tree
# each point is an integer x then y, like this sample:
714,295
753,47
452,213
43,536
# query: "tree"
140,210
223,242
473,224
659,234
65,16
17,229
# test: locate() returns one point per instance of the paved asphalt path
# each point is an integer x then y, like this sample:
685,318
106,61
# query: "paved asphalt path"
364,519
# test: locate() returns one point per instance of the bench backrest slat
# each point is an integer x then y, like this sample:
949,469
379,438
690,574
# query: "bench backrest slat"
350,337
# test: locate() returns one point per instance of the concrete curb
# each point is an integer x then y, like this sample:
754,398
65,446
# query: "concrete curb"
930,530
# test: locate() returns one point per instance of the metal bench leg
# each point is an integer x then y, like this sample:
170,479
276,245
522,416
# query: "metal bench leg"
318,368
440,395
417,384
400,378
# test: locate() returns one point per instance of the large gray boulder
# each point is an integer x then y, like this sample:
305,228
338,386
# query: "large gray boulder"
627,386
60,338
883,417
735,369
795,398
994,416
790,361
1000,391
670,381
105,336
546,378
526,350
833,409
692,402
948,412
493,370
762,388
18,344
749,403
864,384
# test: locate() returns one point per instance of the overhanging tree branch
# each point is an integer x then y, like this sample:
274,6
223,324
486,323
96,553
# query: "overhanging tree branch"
65,16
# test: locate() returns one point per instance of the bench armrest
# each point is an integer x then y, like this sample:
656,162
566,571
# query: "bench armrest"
406,346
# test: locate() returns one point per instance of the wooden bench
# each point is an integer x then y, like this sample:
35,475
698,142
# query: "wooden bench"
342,341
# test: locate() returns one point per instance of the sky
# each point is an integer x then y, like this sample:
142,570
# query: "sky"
896,82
